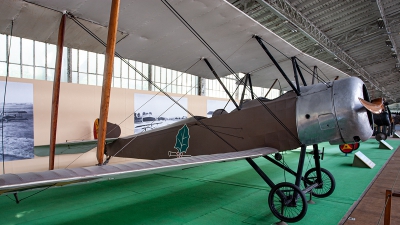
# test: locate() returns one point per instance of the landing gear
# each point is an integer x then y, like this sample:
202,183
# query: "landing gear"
325,187
380,136
287,202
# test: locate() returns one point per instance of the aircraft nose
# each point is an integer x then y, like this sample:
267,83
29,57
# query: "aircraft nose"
354,120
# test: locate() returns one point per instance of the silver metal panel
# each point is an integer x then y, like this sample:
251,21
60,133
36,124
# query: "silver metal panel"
19,182
327,121
312,108
352,117
332,113
150,33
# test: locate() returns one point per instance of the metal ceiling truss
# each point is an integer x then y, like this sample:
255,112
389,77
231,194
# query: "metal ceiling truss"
375,59
388,28
287,11
386,72
357,34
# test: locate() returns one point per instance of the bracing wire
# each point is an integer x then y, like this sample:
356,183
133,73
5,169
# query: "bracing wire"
148,80
5,93
151,123
226,65
309,72
149,99
158,93
312,72
322,73
240,82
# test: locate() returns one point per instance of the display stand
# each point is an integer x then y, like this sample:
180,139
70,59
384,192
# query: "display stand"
395,135
384,145
360,160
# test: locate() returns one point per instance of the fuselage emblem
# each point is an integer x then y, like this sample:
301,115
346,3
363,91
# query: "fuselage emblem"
181,143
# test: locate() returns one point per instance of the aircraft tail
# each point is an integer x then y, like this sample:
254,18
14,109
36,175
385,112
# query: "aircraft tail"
113,130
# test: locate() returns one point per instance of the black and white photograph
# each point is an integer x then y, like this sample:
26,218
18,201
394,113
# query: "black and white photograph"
157,111
16,121
213,105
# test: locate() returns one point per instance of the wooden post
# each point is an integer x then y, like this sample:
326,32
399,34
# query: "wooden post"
388,207
108,71
56,92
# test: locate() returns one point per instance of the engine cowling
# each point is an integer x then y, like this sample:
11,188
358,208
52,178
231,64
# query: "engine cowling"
332,112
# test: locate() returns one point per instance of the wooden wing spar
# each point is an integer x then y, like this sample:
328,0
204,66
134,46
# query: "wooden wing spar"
149,32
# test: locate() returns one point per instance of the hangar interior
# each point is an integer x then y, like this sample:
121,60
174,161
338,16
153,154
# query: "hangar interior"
340,38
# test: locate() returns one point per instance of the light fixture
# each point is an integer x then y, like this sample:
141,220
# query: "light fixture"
394,55
388,43
380,23
290,26
397,65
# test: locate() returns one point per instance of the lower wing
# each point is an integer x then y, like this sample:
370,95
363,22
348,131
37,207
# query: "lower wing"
11,183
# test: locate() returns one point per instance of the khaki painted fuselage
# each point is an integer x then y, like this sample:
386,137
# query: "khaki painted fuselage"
251,127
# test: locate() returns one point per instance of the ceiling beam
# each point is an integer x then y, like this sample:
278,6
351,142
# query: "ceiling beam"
285,10
388,29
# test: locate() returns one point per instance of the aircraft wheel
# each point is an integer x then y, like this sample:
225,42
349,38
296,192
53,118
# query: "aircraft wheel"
380,136
327,186
287,202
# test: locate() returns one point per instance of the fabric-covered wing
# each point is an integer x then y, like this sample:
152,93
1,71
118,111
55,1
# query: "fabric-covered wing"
28,181
150,33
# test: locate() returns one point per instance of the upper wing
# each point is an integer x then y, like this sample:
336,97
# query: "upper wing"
150,33
28,181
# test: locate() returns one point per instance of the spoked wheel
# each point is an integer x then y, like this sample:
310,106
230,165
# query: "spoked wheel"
287,202
327,186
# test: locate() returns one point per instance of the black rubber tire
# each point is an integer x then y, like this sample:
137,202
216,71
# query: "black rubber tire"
289,210
380,136
328,182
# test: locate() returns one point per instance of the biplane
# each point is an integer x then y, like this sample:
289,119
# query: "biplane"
13,115
218,40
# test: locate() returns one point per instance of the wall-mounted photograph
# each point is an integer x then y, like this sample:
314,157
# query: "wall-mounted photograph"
16,121
156,111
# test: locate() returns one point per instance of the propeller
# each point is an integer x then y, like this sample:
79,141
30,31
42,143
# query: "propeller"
376,106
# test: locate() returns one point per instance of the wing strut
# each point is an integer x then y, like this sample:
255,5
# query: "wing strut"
222,84
299,71
244,90
277,65
315,74
56,93
251,86
296,77
108,72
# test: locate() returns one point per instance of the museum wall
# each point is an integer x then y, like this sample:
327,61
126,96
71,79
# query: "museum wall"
79,106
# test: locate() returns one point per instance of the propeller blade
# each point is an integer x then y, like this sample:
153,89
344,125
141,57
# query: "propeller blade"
376,106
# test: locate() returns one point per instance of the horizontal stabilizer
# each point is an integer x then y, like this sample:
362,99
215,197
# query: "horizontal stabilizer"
28,181
70,147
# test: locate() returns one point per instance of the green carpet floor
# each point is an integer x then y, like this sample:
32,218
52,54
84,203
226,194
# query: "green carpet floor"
222,193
